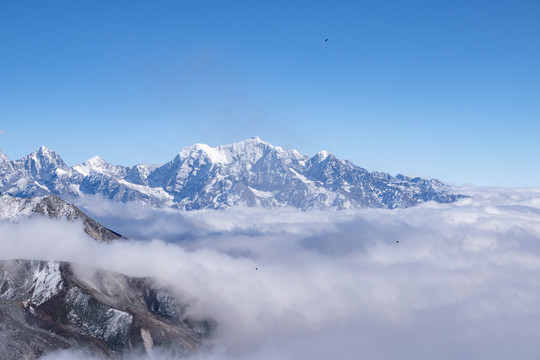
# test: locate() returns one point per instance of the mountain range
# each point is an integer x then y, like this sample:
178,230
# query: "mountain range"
250,173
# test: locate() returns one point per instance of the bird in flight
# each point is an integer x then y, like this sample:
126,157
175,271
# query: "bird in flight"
325,39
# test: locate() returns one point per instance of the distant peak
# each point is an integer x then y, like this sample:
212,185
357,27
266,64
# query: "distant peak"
95,159
43,150
213,154
250,141
44,153
95,164
255,140
3,156
254,144
323,154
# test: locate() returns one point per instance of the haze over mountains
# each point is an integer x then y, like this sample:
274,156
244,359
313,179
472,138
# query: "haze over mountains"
463,277
249,173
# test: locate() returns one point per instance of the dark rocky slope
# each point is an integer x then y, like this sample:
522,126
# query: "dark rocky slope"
47,306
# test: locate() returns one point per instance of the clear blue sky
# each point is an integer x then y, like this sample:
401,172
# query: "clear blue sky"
449,89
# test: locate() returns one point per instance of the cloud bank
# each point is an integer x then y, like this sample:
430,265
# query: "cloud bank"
434,281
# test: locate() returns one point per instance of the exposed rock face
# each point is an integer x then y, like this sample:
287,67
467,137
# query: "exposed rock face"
48,306
246,173
13,209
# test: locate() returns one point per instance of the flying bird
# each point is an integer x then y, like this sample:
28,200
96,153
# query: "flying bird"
325,39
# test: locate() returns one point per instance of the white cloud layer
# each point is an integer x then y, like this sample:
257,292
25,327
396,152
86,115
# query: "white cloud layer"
430,282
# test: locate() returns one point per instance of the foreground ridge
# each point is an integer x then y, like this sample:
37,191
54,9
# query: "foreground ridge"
48,306
14,209
249,173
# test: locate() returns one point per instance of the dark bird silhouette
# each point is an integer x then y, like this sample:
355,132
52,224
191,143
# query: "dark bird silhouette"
325,39
256,268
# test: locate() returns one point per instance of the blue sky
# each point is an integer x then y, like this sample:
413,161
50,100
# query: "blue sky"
437,88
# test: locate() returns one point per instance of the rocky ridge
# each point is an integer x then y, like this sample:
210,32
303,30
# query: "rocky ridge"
15,208
48,306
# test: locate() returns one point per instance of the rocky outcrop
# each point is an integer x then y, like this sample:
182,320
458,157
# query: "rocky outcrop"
50,306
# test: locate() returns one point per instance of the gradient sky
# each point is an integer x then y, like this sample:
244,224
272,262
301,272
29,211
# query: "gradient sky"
448,89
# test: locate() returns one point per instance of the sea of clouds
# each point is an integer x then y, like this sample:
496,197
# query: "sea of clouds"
437,281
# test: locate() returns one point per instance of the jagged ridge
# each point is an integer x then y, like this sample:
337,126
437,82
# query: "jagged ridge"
246,173
13,209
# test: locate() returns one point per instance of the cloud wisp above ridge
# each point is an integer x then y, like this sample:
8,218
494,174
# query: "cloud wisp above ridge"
434,281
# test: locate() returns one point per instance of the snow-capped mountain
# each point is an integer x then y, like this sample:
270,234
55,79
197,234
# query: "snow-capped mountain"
246,173
14,209
46,306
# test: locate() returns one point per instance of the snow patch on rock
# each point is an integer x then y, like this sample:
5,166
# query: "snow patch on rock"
48,282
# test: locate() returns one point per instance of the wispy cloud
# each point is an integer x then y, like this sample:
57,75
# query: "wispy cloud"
2,132
434,281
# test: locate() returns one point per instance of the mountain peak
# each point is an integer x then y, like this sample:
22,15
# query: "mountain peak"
214,155
43,161
97,165
245,144
95,160
3,157
45,155
323,154
44,151
224,154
